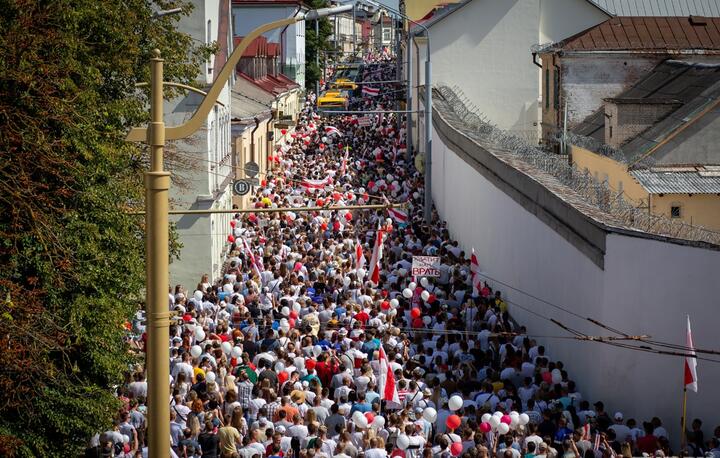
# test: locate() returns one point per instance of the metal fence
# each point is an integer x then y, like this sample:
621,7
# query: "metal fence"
595,193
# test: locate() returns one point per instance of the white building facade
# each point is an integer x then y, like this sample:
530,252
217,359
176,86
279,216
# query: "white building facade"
201,170
248,15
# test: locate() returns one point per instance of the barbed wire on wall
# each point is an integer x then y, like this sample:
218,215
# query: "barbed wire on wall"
470,120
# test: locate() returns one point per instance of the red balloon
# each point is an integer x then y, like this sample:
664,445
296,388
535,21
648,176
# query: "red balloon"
385,305
337,196
232,223
293,314
340,145
322,146
320,202
485,427
431,299
336,226
366,197
506,419
291,322
323,226
456,449
371,184
417,323
282,377
453,422
231,238
415,313
310,364
348,216
370,416
283,131
263,183
187,317
311,125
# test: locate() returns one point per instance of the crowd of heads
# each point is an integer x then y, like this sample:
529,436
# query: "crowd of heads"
281,356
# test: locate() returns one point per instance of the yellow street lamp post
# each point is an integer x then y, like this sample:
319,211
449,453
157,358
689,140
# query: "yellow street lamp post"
157,185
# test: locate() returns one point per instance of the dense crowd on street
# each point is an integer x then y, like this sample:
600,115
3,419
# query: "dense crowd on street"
318,342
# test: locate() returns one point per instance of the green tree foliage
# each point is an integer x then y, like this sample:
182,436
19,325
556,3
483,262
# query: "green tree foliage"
315,44
71,259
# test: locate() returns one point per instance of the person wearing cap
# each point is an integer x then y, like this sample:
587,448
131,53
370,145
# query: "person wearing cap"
622,432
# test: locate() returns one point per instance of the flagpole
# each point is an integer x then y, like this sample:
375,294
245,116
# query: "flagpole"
683,438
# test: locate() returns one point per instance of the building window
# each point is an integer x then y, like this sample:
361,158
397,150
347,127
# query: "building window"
675,211
547,89
386,35
610,131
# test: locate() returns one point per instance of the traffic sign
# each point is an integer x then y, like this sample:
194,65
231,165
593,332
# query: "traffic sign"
241,187
252,169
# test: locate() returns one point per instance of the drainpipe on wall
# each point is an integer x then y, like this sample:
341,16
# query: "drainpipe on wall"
268,164
252,139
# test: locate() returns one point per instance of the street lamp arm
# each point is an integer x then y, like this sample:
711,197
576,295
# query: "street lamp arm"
198,118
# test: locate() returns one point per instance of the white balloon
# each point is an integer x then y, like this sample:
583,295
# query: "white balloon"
199,335
394,303
514,419
556,376
226,347
360,420
285,327
228,288
407,293
455,403
279,366
198,295
392,312
299,362
412,285
378,422
236,352
524,419
388,221
425,295
485,418
416,195
346,281
296,307
210,377
430,415
494,421
498,414
195,351
361,273
427,320
403,442
503,428
424,282
285,311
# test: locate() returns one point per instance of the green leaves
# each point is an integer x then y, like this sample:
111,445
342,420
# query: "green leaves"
71,263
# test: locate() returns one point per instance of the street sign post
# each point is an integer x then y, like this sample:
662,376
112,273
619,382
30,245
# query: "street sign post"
426,266
241,187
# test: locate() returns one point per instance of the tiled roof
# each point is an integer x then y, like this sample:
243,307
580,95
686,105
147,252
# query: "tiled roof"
660,7
650,34
677,182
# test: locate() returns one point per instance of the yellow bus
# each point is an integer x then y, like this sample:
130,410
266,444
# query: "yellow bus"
332,101
343,83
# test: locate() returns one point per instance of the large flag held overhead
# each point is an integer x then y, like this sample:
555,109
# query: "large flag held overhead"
377,257
311,185
386,379
359,256
475,269
691,379
399,216
329,130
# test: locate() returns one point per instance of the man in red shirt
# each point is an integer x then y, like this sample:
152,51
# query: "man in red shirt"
648,443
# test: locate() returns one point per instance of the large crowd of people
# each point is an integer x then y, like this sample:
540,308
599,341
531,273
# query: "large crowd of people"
318,342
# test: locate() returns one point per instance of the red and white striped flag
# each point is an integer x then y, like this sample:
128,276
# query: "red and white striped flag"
359,255
691,378
399,216
343,166
329,130
377,257
252,257
315,184
475,270
386,379
370,91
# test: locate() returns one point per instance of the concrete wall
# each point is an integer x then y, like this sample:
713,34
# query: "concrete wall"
642,285
605,169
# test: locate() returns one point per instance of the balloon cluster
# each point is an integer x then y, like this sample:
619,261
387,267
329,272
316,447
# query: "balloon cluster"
503,423
368,420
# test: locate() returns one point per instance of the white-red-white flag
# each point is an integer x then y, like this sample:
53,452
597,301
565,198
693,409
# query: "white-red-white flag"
377,257
691,378
329,130
370,91
475,270
386,379
311,185
359,255
252,258
399,216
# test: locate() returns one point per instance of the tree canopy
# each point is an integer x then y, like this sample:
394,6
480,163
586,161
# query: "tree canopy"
71,258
